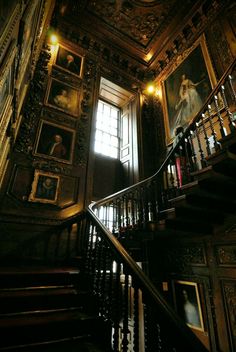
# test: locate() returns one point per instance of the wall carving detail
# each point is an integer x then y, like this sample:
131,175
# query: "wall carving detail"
226,255
230,298
182,258
221,44
52,166
81,150
33,106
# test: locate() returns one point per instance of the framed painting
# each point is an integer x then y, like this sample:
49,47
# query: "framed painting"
186,87
62,97
45,187
55,142
69,61
187,303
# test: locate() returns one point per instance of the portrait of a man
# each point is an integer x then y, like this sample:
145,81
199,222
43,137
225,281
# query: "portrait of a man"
55,142
44,187
62,97
69,61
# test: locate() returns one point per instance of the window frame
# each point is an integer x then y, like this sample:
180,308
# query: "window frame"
103,131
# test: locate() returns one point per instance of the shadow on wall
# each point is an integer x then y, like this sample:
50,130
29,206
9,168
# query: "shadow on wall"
108,176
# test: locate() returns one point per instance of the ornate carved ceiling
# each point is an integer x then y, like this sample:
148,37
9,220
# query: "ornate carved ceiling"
138,27
140,37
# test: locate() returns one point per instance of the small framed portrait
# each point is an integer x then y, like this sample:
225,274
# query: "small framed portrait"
69,61
62,97
186,87
187,303
45,187
55,142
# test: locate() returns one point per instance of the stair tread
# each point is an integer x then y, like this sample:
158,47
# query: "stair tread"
72,344
39,317
37,292
24,270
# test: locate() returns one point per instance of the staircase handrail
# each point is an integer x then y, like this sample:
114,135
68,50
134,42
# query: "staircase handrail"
172,151
148,288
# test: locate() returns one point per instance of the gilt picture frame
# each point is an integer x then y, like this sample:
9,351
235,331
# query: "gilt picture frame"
55,142
186,87
69,61
45,187
62,97
187,303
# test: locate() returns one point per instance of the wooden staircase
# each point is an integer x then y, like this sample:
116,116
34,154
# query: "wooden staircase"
48,309
206,204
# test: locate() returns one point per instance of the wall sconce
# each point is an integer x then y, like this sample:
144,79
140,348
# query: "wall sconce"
53,39
152,90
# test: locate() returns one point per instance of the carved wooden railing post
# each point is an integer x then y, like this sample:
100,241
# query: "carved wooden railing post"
213,133
208,149
229,113
220,120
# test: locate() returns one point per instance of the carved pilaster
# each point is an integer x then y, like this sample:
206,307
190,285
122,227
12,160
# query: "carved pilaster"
86,108
226,255
32,108
229,289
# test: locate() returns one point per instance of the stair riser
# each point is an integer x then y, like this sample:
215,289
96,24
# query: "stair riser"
31,303
44,331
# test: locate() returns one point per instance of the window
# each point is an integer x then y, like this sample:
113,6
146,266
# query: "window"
107,130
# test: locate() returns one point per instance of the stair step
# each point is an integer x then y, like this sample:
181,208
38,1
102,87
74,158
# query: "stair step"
18,299
205,200
37,276
223,162
44,325
72,344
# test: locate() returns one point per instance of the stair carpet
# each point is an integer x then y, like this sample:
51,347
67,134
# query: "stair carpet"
47,309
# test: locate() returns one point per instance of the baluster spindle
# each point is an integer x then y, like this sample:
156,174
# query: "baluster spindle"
181,166
136,319
188,161
194,155
172,179
229,113
202,156
213,133
232,87
97,266
208,149
126,211
119,213
116,308
125,329
132,209
222,129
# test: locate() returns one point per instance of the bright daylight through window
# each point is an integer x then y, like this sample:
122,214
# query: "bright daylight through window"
107,130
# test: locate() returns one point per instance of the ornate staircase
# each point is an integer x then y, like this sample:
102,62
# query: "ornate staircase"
63,309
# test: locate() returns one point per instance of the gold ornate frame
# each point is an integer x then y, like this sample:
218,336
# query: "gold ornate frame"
41,192
196,63
47,130
188,291
68,104
60,56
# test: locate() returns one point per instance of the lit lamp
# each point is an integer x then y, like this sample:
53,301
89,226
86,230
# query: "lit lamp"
53,42
153,90
150,88
53,39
